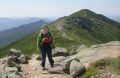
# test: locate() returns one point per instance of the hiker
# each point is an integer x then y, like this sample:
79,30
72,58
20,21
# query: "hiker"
45,44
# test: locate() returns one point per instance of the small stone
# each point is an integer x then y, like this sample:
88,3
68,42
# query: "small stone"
38,57
26,73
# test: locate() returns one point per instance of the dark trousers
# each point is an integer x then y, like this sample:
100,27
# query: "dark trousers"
46,50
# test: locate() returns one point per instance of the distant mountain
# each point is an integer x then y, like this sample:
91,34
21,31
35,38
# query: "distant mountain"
82,27
7,23
14,34
116,18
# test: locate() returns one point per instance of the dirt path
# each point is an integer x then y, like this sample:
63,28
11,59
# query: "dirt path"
34,70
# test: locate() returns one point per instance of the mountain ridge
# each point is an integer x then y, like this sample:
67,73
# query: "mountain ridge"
73,30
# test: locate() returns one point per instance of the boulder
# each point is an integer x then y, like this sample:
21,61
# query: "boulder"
58,60
60,52
14,52
12,75
66,63
11,61
23,59
12,72
76,69
56,70
15,56
9,70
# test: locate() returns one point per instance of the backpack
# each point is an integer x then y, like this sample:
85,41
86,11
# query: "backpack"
47,39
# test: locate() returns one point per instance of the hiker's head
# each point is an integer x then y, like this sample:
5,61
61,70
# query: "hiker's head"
45,28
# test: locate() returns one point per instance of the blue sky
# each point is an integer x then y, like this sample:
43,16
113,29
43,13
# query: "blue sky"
56,8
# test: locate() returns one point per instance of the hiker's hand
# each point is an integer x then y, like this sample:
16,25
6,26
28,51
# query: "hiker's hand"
43,39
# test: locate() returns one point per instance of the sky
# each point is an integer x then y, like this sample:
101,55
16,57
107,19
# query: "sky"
56,8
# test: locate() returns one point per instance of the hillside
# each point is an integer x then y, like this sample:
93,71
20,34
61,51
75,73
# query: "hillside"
14,34
82,27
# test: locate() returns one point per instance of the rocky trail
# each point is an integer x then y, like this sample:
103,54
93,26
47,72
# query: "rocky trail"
66,66
97,52
34,70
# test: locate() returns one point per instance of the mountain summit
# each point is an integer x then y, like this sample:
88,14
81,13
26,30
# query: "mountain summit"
87,27
84,13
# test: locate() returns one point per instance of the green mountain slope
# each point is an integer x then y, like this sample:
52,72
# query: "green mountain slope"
82,27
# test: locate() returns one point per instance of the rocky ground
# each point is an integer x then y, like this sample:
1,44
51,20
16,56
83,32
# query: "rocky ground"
97,52
34,70
67,66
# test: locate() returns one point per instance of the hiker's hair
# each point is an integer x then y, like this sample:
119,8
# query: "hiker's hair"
44,26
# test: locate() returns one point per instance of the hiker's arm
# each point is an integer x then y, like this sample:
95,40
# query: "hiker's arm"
38,40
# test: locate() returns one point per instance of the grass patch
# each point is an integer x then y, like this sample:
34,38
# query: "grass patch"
112,63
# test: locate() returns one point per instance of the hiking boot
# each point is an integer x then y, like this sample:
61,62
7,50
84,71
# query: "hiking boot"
52,65
43,68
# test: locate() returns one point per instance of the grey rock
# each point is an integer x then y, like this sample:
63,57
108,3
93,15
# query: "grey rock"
9,70
66,63
60,52
12,75
76,69
58,60
15,56
11,61
14,52
23,59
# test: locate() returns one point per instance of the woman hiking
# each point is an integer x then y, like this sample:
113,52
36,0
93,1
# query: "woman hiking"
44,43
